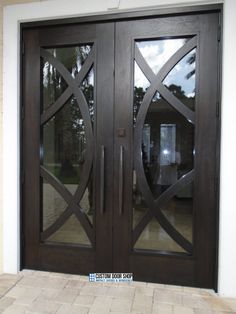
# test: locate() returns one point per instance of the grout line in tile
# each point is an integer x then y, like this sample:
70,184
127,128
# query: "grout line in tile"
14,285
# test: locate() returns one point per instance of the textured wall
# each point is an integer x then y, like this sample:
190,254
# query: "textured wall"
2,4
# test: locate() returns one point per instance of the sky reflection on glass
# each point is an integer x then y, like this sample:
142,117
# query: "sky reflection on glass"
157,53
183,74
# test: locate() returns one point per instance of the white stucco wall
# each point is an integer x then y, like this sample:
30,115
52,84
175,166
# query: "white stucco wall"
227,246
60,8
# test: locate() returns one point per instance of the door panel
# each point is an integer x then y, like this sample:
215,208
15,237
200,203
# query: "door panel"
119,143
164,62
63,114
104,147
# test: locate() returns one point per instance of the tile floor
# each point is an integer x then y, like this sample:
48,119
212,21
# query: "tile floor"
41,292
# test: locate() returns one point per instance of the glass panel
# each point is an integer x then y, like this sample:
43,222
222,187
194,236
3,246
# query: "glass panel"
141,85
70,232
53,205
87,87
64,144
87,200
158,52
179,211
167,147
72,57
64,149
154,237
53,83
139,207
167,144
168,154
181,80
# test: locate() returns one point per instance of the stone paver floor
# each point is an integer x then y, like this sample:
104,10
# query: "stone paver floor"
42,292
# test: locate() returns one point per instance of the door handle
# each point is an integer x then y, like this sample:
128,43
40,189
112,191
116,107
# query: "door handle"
121,179
102,182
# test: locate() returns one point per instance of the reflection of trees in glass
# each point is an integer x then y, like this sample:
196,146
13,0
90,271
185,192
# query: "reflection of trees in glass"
177,90
139,93
88,91
191,60
68,124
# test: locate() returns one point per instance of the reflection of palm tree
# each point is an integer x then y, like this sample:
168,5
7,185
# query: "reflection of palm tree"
68,122
139,93
177,90
191,60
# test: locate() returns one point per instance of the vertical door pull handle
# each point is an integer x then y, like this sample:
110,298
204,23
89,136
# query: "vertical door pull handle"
102,182
121,179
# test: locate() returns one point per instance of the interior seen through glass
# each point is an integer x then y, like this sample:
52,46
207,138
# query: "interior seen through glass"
70,232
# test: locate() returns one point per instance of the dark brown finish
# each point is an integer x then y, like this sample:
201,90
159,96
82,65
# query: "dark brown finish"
207,116
30,154
184,268
121,180
63,257
105,111
102,179
114,148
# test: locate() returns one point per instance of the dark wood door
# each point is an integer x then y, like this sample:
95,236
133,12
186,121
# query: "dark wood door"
166,101
68,95
119,148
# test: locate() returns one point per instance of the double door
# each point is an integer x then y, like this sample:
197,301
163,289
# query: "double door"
119,148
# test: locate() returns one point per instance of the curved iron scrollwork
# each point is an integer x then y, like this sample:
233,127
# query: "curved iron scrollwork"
154,205
72,89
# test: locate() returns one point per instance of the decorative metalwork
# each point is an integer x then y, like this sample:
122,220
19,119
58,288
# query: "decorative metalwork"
156,85
74,89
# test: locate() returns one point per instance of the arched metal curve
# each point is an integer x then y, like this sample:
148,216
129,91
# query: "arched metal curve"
82,103
156,85
71,208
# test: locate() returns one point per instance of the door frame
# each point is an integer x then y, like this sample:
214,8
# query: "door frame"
119,17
